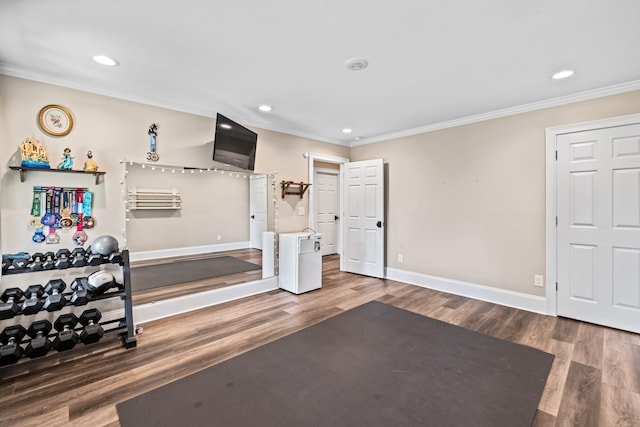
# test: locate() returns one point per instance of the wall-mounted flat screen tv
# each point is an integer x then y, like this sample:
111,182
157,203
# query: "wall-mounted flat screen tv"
233,144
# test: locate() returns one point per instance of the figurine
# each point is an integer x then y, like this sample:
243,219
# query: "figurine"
34,154
90,165
67,163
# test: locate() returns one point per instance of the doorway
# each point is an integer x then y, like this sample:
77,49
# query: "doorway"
593,241
326,192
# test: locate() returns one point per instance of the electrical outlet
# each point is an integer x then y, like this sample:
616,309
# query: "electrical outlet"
538,280
400,258
219,236
301,210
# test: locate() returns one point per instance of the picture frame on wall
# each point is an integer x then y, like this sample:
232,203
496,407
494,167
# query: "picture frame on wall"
55,120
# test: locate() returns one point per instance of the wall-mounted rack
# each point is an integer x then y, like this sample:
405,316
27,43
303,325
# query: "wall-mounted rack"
295,188
153,199
23,172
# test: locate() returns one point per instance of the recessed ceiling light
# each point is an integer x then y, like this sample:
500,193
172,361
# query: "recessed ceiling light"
225,126
347,130
562,74
356,64
265,108
105,60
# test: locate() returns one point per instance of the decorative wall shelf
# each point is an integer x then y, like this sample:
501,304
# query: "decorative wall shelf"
295,188
23,172
153,199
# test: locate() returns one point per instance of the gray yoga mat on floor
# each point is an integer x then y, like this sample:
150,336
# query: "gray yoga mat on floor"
375,365
171,273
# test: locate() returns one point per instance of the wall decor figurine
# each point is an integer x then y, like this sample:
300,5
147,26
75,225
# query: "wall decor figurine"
90,165
67,160
33,154
153,134
55,120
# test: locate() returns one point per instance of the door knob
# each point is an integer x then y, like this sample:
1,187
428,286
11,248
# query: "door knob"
336,217
253,217
379,224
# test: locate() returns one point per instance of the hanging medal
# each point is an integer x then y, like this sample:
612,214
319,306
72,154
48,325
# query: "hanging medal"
88,221
80,237
56,207
65,220
52,238
35,221
75,213
38,236
49,218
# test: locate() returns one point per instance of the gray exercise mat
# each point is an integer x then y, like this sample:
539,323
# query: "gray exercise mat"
375,365
171,273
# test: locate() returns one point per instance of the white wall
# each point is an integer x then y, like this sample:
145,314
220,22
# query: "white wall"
468,203
114,130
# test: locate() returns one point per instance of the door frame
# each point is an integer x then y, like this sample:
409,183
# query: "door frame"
334,172
551,245
327,158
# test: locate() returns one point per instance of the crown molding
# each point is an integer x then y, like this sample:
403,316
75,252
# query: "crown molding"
539,105
172,105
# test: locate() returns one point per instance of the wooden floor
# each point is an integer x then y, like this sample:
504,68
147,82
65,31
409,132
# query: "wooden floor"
595,379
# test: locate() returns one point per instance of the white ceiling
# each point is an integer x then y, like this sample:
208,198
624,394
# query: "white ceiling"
429,61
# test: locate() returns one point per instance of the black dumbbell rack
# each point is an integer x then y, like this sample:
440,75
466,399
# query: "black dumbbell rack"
124,326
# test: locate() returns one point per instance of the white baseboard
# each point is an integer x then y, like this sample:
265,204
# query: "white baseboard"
471,290
191,250
170,307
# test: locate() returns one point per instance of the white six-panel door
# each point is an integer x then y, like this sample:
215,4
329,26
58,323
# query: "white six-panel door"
363,219
326,196
598,232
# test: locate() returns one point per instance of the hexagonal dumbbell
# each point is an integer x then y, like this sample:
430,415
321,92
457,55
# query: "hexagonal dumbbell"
115,257
36,262
94,259
55,300
11,351
63,259
92,331
67,337
78,257
40,343
81,294
9,306
33,303
48,261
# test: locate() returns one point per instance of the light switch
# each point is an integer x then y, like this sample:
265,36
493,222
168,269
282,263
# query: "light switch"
301,210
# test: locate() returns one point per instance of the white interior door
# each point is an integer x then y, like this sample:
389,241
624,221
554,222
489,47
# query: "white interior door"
598,235
257,209
325,186
363,219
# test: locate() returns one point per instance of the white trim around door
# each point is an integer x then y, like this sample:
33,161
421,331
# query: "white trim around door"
551,195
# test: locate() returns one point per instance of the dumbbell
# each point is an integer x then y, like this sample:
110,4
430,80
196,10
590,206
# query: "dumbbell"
63,259
94,259
55,300
32,304
5,264
115,257
19,263
9,306
11,351
36,262
81,294
49,261
78,257
40,342
92,331
67,337
100,281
